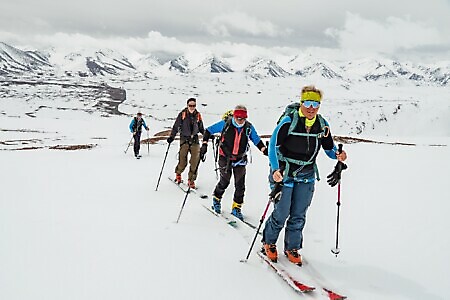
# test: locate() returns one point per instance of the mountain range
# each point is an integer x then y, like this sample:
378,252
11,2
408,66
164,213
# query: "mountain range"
106,62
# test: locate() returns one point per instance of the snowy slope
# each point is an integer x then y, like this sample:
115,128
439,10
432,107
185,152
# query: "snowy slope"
88,224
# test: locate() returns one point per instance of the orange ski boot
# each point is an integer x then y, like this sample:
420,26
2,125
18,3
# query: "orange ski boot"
293,256
271,251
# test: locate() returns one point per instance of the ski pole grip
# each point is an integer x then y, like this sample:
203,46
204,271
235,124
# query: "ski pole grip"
340,148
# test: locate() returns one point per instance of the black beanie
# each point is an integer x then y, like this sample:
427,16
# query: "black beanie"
191,99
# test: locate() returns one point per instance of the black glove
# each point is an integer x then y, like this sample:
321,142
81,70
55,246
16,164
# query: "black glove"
275,194
203,150
170,139
266,152
335,176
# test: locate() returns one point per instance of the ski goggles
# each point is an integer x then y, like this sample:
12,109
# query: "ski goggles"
310,103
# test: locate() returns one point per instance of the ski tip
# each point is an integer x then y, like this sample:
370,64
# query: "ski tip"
303,287
232,223
334,296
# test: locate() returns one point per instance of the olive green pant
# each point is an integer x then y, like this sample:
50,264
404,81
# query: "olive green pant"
194,149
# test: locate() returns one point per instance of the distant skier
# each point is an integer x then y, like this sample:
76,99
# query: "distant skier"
136,129
189,124
236,133
293,148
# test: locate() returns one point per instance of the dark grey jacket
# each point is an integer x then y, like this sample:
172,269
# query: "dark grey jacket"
188,125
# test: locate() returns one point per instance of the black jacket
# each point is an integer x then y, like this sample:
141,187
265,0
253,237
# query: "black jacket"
188,125
302,147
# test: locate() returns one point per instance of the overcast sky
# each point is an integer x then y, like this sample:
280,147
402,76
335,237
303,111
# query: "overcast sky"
396,28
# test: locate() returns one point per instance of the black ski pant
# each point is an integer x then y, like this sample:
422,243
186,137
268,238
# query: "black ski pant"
226,170
137,142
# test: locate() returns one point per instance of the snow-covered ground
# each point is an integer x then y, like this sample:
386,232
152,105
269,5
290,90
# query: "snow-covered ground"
88,224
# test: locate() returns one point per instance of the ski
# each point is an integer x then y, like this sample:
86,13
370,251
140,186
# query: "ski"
282,271
319,280
295,284
230,222
333,296
244,221
183,186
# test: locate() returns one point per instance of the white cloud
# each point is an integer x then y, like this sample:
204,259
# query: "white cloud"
239,23
135,47
388,36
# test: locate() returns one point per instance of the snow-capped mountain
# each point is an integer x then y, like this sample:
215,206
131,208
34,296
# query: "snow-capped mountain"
100,62
179,64
87,63
148,63
261,67
391,70
206,63
213,64
319,69
13,60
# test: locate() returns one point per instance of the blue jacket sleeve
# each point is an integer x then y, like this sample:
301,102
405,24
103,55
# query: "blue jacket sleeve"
254,137
331,153
273,157
216,127
131,125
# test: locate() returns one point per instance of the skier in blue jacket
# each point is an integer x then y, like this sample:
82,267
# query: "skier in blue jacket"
236,133
136,129
293,148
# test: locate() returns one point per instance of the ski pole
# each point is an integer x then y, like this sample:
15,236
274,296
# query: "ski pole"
129,143
257,231
148,143
187,194
272,195
336,249
215,146
162,168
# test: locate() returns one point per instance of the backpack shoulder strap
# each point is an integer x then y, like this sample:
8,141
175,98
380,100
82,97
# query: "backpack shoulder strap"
226,126
183,113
